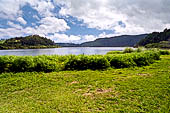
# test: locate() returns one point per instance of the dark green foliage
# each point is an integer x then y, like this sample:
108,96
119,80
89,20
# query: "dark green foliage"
155,37
83,62
164,52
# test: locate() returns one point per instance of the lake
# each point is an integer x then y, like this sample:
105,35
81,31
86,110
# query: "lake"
62,51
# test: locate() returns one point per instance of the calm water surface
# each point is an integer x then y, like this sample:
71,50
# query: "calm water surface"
61,51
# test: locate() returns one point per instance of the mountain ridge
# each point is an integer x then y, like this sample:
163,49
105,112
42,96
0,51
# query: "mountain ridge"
117,41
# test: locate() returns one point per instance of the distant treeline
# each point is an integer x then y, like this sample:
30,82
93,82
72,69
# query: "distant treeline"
28,42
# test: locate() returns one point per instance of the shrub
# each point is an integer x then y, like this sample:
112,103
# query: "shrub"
128,50
133,59
115,52
122,61
23,64
164,52
140,49
145,58
83,62
6,63
46,64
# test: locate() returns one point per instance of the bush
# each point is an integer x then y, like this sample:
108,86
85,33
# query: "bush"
83,62
128,50
122,61
115,52
6,63
23,64
47,64
140,49
164,52
133,59
145,58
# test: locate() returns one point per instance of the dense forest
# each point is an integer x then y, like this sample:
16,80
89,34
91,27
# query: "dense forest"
28,42
157,40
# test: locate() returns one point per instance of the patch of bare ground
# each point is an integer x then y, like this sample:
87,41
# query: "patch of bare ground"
98,91
144,74
74,82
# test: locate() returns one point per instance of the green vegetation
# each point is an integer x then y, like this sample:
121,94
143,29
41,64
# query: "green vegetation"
156,40
137,89
162,44
73,62
2,41
128,50
115,52
28,42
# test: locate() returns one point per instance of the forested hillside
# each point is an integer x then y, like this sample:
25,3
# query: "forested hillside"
157,39
30,42
118,41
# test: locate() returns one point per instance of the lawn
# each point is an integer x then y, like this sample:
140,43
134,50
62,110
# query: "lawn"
138,89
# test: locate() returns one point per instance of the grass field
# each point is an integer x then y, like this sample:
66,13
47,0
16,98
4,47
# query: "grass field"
138,89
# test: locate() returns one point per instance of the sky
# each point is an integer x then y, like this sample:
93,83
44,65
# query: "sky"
78,21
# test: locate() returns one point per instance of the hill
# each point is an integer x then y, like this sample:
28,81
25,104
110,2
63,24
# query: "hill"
68,44
157,39
118,41
28,42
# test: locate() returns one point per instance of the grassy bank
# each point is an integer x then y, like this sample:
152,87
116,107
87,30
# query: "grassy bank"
139,89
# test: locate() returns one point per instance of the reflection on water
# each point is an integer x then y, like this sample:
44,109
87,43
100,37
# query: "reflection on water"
61,51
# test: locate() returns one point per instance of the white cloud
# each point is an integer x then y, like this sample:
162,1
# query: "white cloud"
16,26
9,9
21,20
65,38
48,25
52,25
139,16
36,17
44,7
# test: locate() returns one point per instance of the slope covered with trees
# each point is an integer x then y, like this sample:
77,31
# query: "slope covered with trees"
28,42
157,39
118,41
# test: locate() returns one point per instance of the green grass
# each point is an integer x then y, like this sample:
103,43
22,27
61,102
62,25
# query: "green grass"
139,89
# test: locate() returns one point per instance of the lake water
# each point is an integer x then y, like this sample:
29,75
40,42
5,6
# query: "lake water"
62,51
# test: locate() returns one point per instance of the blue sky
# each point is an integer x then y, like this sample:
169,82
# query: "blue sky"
77,21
